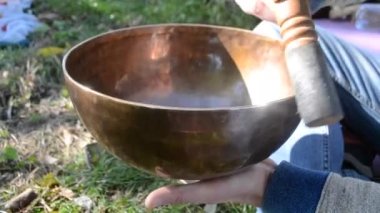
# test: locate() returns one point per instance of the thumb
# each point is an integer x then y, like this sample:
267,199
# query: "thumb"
247,186
262,9
196,193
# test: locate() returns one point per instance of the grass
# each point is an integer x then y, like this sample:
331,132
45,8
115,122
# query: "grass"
41,139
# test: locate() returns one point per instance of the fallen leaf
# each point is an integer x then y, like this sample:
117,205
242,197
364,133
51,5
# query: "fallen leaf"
66,193
49,181
50,160
84,202
67,138
50,51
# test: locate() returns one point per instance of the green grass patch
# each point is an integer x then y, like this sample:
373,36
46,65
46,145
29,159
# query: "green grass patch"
4,133
116,187
8,154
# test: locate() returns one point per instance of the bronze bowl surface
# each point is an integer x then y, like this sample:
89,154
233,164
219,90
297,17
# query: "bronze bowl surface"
183,101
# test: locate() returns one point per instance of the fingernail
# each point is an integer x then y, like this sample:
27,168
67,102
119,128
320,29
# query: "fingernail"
151,204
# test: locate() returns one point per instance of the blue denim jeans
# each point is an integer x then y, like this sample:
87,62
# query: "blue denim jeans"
357,78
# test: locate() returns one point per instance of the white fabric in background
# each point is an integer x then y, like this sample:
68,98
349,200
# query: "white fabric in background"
15,24
16,5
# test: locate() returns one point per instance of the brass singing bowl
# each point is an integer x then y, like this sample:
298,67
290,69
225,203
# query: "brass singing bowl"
183,101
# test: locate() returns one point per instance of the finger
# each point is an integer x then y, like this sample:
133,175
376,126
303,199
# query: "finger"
242,187
269,162
196,193
259,8
248,6
264,10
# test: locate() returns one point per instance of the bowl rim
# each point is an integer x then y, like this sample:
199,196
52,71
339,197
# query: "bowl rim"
68,77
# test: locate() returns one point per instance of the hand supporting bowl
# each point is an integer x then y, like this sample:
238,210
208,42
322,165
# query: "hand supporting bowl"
183,101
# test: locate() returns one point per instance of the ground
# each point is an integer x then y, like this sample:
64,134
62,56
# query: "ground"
42,142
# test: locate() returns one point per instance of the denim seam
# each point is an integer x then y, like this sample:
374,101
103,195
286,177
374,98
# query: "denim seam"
364,101
326,166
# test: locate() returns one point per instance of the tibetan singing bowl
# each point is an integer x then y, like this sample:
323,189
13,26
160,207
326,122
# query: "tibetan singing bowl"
183,101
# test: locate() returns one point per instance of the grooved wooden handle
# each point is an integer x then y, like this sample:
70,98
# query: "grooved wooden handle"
294,18
317,99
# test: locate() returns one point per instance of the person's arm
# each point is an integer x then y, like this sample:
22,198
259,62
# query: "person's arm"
262,8
292,189
353,195
285,188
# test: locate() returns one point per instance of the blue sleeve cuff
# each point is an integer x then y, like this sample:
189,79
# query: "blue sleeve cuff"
293,189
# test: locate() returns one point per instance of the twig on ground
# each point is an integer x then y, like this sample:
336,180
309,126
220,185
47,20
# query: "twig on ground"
46,206
22,200
37,200
15,179
9,110
33,173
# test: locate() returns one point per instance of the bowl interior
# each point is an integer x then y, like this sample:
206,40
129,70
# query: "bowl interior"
185,66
